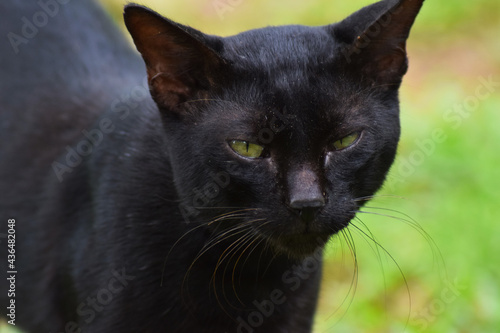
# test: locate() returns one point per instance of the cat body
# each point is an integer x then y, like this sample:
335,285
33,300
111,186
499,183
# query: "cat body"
206,207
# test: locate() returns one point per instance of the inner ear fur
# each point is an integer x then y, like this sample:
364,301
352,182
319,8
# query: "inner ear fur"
181,62
374,39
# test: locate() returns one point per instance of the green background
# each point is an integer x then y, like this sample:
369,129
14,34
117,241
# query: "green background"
435,264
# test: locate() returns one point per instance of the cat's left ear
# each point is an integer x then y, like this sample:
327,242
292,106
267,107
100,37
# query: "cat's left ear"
373,40
182,63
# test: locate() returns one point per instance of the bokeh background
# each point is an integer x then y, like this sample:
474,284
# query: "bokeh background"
428,248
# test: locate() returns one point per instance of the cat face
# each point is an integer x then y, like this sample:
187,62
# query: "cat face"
282,131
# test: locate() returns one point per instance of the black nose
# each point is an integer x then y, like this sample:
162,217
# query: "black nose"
307,209
313,202
305,195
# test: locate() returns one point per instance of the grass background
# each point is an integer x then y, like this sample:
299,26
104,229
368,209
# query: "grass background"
450,188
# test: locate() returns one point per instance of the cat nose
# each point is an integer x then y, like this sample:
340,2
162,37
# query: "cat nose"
311,203
305,193
307,210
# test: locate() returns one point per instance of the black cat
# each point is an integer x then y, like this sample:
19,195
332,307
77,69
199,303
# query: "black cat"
207,209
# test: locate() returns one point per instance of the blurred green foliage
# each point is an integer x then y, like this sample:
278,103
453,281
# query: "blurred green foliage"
448,187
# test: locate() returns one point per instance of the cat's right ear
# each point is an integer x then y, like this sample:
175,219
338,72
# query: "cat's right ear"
373,40
182,63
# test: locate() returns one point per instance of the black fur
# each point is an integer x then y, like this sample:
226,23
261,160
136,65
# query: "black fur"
136,216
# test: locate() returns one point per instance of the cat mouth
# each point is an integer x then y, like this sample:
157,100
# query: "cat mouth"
299,245
303,239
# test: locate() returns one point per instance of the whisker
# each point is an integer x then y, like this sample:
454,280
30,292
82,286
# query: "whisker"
173,246
436,252
263,249
255,245
370,197
231,248
248,223
376,250
220,237
227,207
397,265
275,255
237,213
228,254
233,273
256,237
249,239
349,240
228,215
228,234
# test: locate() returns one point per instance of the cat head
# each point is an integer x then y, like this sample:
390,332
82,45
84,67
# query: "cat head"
282,131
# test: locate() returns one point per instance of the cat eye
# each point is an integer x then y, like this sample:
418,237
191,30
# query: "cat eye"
246,148
346,142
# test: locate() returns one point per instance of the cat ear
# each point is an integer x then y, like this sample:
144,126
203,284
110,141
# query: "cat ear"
374,39
181,62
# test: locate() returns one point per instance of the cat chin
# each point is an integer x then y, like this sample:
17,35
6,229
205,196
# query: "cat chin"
299,246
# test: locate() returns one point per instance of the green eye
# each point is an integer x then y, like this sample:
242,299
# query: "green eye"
346,142
246,149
